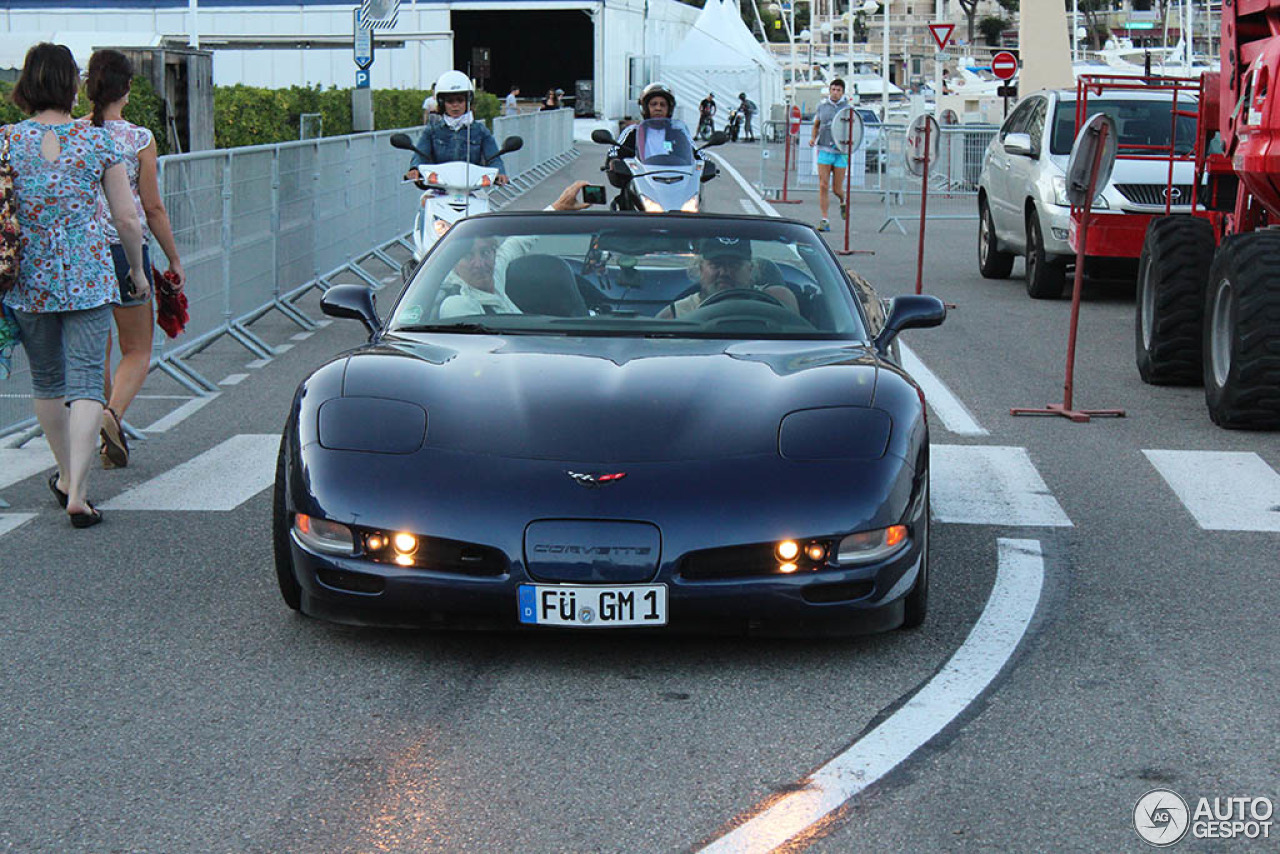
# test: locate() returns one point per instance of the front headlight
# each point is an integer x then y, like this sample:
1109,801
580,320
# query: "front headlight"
1060,195
323,536
690,206
871,546
440,226
650,206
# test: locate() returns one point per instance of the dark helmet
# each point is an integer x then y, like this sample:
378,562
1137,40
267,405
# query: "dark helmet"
654,90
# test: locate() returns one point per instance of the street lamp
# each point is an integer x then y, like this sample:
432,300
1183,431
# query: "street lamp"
868,7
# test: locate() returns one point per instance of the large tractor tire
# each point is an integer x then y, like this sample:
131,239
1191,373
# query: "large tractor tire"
1242,333
1046,276
1168,323
992,263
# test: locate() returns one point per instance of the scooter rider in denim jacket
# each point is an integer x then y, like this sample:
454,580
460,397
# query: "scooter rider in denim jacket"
458,137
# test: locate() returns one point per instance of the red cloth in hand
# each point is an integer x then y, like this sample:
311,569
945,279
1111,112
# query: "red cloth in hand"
171,303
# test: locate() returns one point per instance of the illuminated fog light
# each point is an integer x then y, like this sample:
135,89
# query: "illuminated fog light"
323,535
871,546
787,568
405,544
375,543
404,560
788,550
816,552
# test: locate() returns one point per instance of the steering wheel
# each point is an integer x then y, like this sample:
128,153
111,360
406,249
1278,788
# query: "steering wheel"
741,293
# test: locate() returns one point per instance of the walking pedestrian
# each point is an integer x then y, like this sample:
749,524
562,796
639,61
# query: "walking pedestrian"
831,161
66,282
511,108
107,85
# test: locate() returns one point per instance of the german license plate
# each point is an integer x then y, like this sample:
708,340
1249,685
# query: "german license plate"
593,606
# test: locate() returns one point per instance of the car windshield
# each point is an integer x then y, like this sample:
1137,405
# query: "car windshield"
661,142
1141,124
632,275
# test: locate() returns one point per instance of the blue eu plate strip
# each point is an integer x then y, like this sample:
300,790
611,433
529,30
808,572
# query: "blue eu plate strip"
528,603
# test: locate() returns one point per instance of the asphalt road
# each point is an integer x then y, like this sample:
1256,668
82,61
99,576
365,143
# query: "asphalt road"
157,696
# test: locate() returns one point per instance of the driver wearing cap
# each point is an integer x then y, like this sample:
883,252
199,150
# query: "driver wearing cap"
725,264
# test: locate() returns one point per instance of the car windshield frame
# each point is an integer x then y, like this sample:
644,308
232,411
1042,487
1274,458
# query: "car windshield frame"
1064,115
657,248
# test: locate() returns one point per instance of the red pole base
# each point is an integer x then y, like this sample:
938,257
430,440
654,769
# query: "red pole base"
786,202
1080,416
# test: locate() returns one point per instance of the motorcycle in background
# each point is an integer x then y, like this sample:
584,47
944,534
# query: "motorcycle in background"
450,192
658,170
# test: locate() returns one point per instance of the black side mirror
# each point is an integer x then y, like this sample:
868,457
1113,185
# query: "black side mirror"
354,301
709,170
510,144
600,136
401,140
910,312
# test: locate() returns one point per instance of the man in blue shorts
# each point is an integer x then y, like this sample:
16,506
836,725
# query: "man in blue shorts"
831,163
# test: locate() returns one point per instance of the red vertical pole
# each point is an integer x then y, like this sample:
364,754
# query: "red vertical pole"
924,201
786,161
848,183
1069,383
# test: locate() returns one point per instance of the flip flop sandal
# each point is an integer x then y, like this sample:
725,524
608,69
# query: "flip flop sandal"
86,520
114,443
57,493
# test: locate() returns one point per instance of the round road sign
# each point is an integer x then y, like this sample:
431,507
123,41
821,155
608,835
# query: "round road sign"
922,145
847,130
1083,153
1004,65
795,121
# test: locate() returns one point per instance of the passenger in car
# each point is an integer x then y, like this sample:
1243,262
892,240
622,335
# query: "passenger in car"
725,264
472,276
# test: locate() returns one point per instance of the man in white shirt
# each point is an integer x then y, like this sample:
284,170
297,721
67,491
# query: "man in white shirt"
511,108
429,111
473,277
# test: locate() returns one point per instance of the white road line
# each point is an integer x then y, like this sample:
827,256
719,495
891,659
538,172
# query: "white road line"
9,521
21,463
951,411
222,478
746,187
991,642
1223,490
282,348
324,321
258,363
177,416
301,336
233,379
990,485
748,207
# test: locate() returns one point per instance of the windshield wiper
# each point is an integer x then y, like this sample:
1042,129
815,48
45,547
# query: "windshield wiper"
466,328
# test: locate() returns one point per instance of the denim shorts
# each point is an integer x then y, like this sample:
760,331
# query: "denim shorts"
122,274
830,158
67,351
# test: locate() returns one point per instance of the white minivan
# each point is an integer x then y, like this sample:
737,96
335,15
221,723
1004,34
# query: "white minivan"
1022,197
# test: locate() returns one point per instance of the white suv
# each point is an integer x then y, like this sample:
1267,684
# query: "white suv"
1022,199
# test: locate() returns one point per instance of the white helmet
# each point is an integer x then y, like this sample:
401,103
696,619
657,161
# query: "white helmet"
453,83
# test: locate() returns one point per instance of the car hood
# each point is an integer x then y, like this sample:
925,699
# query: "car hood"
609,399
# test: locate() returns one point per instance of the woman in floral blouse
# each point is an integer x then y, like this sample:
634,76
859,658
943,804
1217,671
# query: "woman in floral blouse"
66,282
107,86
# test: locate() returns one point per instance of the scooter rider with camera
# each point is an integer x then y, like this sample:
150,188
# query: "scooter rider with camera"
457,137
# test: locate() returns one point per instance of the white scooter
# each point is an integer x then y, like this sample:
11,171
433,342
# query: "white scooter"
450,192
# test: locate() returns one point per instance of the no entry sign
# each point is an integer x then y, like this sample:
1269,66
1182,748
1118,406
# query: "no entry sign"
1004,65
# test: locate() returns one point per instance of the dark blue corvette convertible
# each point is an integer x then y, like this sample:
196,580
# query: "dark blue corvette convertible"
614,421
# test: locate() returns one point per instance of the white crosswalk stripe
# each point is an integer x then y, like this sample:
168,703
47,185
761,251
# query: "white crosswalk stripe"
1222,490
9,521
990,485
21,463
222,478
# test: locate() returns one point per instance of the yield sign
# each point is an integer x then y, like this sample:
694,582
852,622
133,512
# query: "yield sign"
942,34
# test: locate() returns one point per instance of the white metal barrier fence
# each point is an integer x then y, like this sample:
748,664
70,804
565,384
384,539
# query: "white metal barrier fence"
258,227
879,168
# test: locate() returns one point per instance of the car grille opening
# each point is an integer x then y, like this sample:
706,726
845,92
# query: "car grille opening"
1153,194
351,582
730,562
838,592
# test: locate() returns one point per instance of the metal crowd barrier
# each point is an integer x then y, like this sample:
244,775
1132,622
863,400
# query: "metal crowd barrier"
879,168
260,226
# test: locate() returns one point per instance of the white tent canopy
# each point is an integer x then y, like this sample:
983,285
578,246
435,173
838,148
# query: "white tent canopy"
720,55
14,46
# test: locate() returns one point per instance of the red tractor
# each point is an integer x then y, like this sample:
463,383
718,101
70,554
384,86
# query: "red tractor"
1208,302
